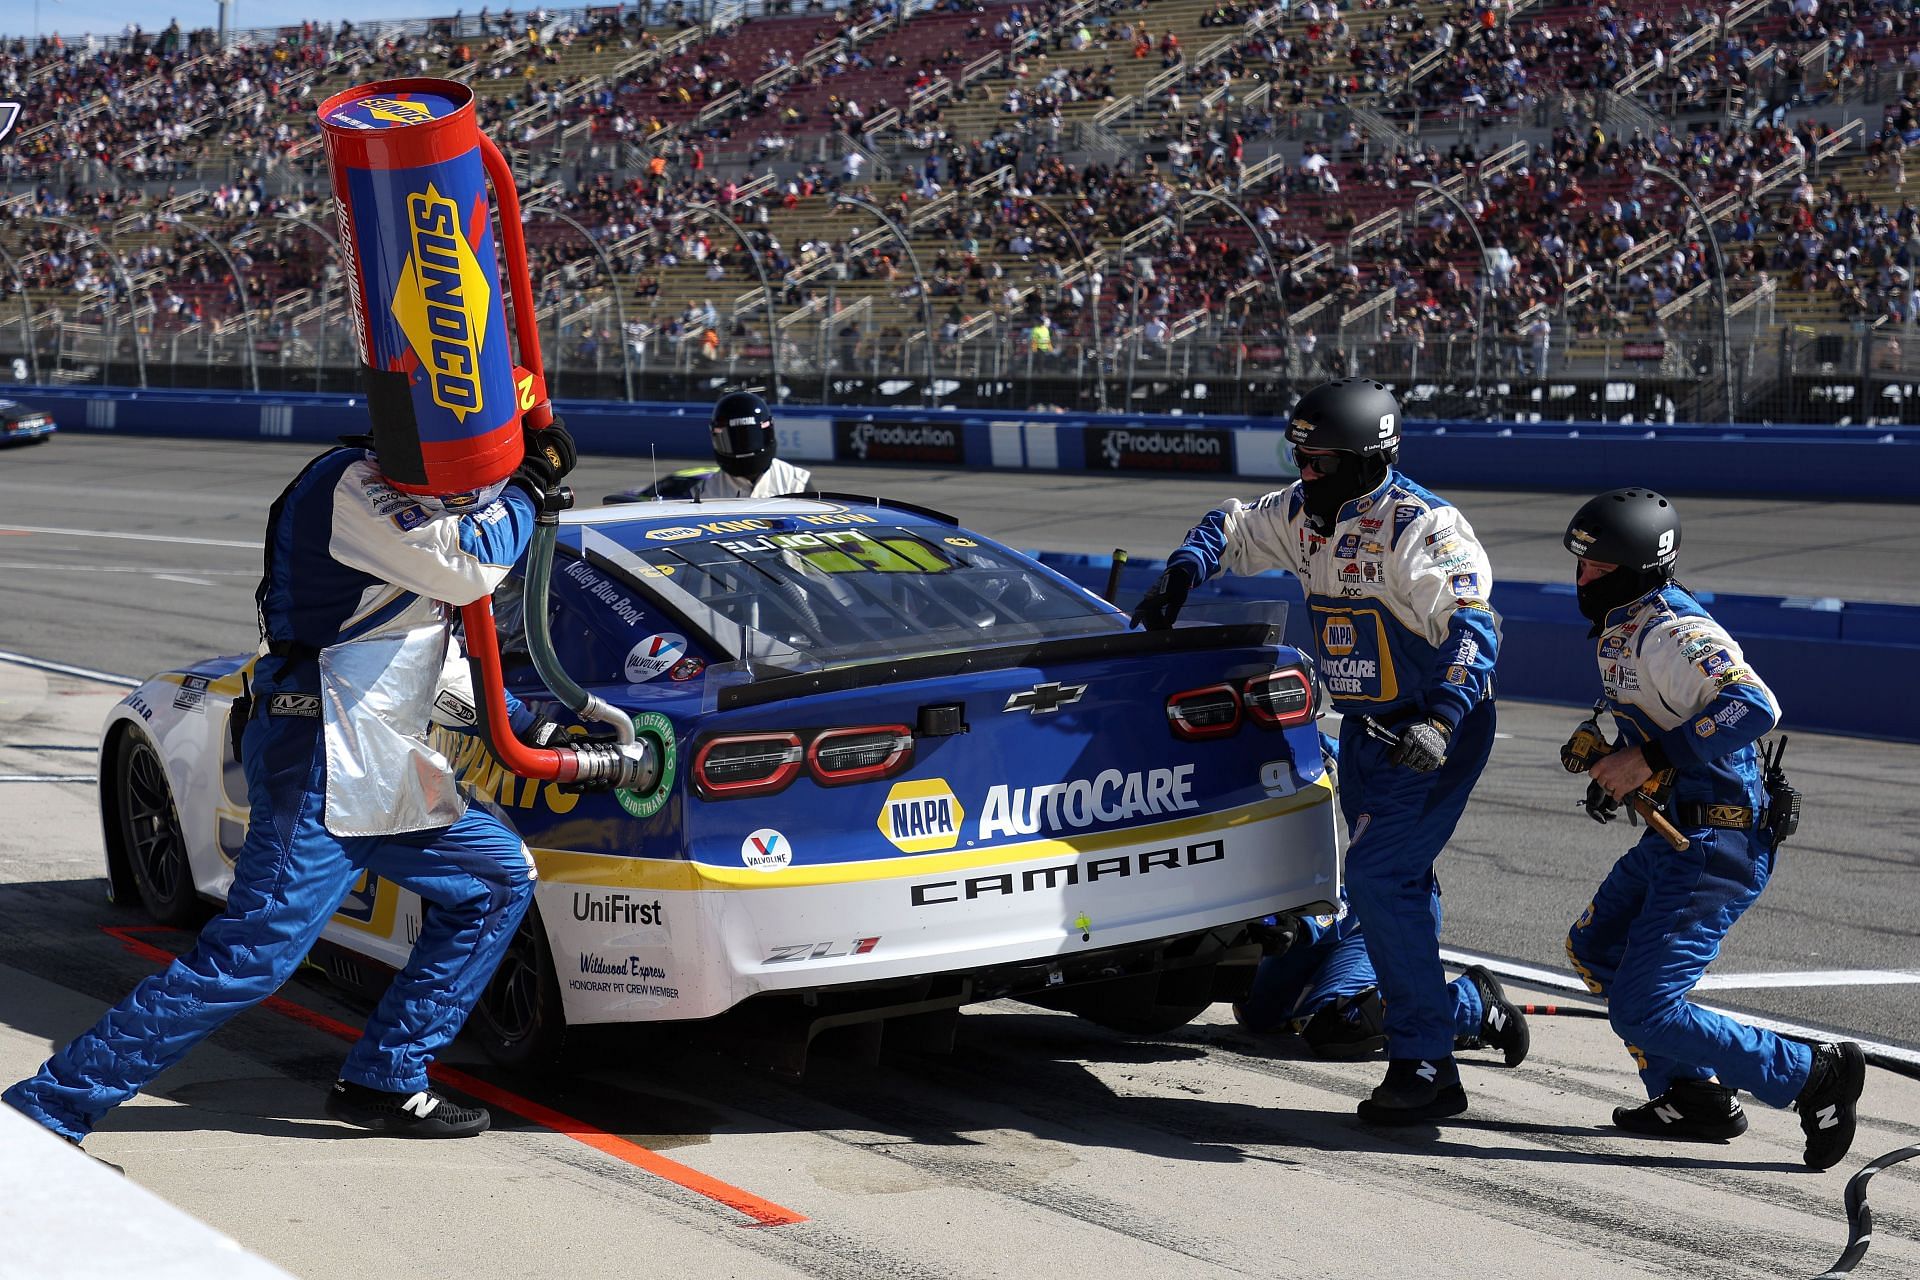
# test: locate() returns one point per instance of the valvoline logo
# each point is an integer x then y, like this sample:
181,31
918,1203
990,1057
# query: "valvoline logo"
442,301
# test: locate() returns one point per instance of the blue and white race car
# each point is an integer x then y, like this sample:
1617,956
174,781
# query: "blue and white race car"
20,423
906,768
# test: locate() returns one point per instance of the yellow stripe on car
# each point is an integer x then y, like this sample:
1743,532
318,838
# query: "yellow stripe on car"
560,866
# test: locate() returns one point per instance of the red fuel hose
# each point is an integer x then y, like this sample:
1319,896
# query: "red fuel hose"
489,697
513,242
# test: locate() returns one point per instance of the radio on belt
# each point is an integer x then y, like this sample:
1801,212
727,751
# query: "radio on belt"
410,169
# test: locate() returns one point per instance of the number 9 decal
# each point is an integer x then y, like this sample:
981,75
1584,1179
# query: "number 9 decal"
1386,426
1666,543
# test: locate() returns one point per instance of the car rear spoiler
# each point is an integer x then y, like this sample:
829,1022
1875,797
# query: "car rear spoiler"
1119,644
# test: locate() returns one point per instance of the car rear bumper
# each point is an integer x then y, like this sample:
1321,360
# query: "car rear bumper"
637,940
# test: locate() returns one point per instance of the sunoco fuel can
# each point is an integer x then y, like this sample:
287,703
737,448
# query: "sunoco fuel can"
416,227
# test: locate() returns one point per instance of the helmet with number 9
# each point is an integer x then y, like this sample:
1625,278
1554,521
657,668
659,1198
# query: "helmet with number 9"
1352,415
1633,528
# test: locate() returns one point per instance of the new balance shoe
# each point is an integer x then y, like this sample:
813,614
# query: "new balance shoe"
1351,1027
1415,1089
1827,1102
1689,1111
1502,1025
424,1114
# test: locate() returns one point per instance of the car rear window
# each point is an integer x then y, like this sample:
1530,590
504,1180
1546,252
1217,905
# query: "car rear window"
837,595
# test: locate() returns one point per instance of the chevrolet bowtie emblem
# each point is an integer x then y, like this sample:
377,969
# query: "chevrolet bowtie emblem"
1043,698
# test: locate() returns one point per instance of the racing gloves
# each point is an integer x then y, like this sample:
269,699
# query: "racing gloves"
1600,806
1423,746
542,732
550,456
1276,934
1161,605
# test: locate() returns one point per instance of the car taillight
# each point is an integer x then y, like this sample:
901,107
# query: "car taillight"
840,756
748,764
1281,698
1211,712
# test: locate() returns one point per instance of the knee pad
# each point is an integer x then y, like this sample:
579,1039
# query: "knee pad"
1351,1027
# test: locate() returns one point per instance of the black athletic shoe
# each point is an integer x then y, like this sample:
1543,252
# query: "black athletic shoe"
1415,1089
1689,1111
1826,1103
425,1114
1502,1025
1349,1028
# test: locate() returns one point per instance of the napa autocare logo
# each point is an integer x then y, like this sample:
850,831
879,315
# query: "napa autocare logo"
9,117
441,302
922,816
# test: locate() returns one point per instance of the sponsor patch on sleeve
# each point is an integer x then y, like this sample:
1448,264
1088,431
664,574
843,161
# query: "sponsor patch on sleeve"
1704,726
1456,675
410,517
1466,584
1716,662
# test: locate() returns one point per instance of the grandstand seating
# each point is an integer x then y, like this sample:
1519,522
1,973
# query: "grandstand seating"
964,114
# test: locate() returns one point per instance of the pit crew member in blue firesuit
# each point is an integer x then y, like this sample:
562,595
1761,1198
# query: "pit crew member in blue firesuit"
744,446
1317,981
1689,709
1397,591
356,657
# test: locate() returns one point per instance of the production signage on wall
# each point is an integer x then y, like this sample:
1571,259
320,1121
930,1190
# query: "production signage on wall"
1159,449
858,440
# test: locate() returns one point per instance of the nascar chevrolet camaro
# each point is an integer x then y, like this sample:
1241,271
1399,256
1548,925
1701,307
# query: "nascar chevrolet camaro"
903,768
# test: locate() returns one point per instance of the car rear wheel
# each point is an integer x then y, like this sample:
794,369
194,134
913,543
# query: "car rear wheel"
519,1019
150,833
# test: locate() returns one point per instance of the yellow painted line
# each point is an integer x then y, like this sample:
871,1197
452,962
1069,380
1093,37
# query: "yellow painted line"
560,866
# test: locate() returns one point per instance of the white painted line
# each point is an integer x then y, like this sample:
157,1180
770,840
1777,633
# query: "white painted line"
1555,981
85,673
1811,978
48,777
190,581
130,537
130,568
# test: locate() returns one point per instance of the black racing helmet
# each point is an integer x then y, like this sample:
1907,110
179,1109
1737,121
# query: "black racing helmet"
742,427
1634,528
1352,415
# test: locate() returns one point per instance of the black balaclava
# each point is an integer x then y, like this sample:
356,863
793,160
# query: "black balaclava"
1609,591
1325,496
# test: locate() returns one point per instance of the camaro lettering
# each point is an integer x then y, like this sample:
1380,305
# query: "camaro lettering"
1113,796
933,893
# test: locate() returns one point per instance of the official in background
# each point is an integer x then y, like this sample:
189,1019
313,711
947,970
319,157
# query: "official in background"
1689,709
1397,589
745,447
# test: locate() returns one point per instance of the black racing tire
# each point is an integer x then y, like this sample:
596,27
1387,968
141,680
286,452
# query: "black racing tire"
151,836
1132,1005
520,1020
1142,1019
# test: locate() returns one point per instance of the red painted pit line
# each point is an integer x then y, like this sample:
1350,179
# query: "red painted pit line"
764,1213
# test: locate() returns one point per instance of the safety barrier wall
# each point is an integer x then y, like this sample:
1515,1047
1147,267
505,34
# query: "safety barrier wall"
1836,666
1773,461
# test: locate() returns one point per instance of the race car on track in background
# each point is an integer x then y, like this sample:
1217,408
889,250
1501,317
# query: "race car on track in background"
904,768
20,423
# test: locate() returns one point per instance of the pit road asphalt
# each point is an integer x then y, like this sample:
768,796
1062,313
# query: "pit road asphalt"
1044,1143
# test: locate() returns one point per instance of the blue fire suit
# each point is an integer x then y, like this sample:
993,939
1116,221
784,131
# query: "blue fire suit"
1329,963
357,653
1397,596
1679,687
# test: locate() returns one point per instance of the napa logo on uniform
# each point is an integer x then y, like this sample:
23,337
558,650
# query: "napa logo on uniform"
921,816
1339,635
441,302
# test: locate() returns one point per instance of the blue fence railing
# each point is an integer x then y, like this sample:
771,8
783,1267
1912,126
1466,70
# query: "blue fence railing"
1836,666
1875,463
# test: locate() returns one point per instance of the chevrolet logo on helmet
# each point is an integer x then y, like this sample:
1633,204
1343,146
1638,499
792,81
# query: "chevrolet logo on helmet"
1298,430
